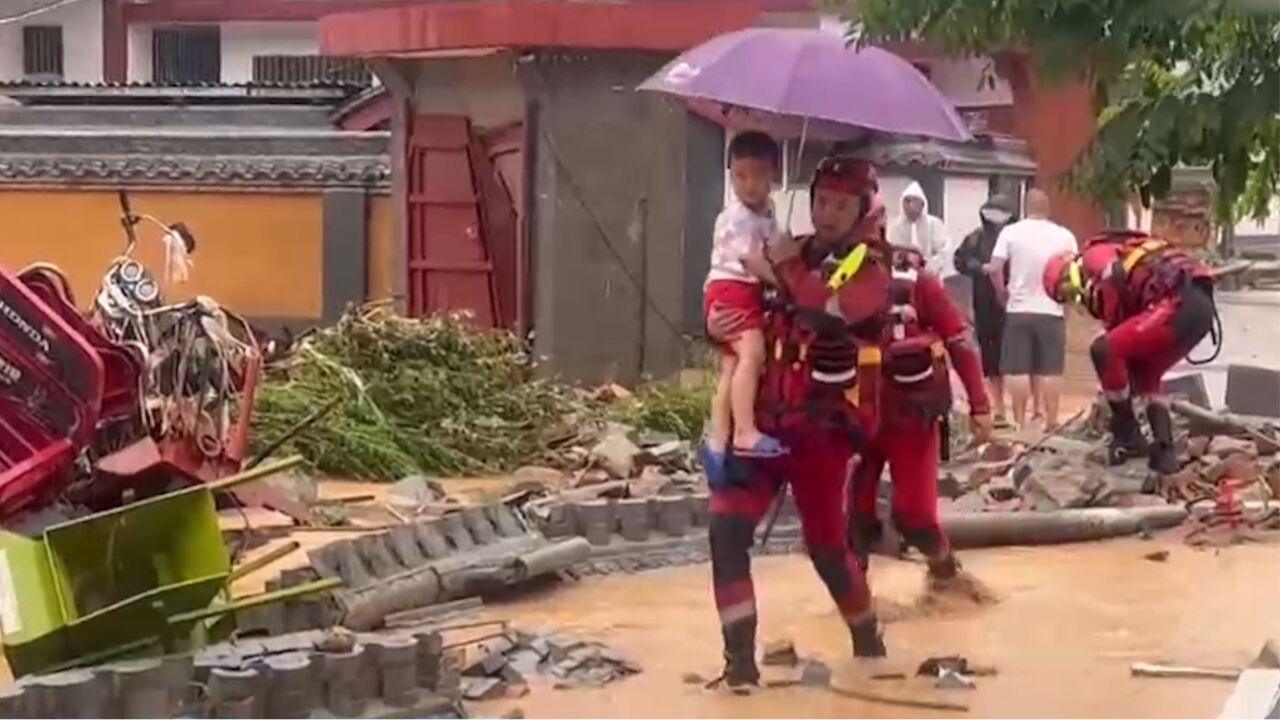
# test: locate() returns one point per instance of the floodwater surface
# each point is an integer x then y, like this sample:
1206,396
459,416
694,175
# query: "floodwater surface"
1070,622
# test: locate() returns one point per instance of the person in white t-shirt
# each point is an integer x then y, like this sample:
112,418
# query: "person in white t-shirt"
1033,352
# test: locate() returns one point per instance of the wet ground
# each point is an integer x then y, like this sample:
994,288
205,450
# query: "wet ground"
1071,621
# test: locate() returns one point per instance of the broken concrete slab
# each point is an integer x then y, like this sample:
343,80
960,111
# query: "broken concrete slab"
483,688
815,673
1191,387
952,680
1253,391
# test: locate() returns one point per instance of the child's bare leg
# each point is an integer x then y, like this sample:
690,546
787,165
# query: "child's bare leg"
721,428
749,348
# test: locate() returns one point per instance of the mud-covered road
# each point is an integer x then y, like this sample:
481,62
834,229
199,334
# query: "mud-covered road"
1071,621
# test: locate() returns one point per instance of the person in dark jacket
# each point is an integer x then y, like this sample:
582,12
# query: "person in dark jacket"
971,259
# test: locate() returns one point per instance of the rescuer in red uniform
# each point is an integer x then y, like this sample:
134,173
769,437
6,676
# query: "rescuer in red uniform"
813,399
921,331
1156,304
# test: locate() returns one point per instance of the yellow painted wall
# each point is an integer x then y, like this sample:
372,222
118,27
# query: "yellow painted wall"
257,253
381,258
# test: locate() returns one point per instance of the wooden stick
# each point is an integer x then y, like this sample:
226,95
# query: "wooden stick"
1176,671
263,560
900,701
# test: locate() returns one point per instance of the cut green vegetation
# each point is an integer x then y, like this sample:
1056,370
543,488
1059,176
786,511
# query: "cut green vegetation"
439,397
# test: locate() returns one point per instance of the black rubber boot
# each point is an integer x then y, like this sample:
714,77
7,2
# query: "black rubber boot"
1162,457
867,640
740,670
1126,436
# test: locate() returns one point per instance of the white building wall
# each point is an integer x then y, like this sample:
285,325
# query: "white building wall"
139,53
81,41
963,196
241,41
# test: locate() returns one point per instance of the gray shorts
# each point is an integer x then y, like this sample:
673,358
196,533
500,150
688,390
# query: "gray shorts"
1033,344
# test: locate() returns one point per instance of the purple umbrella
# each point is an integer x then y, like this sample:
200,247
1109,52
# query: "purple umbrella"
812,75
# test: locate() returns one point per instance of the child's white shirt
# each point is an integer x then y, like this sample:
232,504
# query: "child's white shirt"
738,227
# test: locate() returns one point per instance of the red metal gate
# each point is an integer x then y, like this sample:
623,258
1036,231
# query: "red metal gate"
449,262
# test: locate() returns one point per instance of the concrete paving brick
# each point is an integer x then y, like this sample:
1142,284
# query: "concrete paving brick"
72,694
675,515
431,539
289,688
596,520
505,521
700,503
633,519
397,665
340,675
430,649
141,688
377,555
455,529
479,525
351,566
179,671
404,541
232,693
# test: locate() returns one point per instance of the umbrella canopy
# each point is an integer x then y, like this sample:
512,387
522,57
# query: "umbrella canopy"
812,75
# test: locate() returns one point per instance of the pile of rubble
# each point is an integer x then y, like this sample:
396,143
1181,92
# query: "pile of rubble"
1068,469
501,666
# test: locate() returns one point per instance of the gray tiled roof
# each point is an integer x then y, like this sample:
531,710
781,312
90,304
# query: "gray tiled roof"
295,171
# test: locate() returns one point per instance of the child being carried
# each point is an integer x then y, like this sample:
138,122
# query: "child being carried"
735,297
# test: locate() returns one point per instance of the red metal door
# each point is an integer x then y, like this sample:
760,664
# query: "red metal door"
449,266
498,160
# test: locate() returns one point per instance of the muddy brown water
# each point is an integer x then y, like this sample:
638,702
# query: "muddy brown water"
1071,621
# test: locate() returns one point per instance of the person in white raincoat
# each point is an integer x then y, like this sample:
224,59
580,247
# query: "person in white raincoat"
916,228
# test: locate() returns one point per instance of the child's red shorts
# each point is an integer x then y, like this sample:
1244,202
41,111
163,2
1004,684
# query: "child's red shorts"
745,297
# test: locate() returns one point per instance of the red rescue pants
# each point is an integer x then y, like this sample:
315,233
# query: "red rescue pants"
1141,349
911,451
817,469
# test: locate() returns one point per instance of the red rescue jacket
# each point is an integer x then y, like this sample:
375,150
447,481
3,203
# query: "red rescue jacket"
1127,272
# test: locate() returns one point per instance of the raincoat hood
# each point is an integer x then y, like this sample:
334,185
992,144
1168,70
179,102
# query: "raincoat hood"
997,202
914,190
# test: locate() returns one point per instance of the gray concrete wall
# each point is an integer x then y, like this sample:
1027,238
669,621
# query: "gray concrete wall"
609,216
484,89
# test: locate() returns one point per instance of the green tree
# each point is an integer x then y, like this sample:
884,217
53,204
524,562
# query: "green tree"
1178,82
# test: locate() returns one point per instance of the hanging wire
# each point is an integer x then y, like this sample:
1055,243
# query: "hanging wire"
32,12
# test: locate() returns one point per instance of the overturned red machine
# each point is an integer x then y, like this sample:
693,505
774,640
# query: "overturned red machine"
131,396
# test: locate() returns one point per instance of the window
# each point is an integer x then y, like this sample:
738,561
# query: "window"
310,69
191,54
42,51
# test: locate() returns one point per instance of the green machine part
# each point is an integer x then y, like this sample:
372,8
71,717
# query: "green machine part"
117,580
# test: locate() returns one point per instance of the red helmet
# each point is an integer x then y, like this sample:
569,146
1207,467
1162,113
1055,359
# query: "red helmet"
871,227
847,174
1063,280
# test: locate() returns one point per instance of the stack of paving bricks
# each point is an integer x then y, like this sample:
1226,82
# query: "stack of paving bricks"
606,521
383,675
632,534
420,564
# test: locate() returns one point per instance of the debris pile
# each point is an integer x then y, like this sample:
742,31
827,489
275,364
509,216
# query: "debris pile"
501,666
1221,454
441,397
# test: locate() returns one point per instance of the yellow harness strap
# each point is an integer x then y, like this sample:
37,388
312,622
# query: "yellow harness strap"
848,267
1135,255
